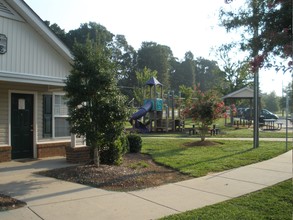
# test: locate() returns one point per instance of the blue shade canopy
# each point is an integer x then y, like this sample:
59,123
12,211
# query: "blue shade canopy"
153,81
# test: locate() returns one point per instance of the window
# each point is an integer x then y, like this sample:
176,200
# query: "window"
54,116
60,107
60,116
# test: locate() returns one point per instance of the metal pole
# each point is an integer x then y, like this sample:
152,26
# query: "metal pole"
256,111
256,78
287,110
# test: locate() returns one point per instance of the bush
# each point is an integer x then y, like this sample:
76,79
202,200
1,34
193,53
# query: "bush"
125,144
135,143
112,153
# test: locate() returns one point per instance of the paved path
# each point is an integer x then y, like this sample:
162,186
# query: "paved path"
49,198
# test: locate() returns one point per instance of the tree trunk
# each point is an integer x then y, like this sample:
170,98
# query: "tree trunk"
202,131
97,156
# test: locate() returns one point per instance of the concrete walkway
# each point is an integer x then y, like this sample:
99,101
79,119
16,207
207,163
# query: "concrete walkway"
49,198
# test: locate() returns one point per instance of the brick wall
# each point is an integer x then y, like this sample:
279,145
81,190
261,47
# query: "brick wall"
52,149
5,154
78,154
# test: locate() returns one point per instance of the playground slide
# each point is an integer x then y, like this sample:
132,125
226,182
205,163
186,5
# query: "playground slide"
141,112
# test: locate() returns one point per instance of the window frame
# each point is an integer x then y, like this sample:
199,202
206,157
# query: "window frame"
54,116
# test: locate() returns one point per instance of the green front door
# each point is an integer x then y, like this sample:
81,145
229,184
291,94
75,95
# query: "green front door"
22,125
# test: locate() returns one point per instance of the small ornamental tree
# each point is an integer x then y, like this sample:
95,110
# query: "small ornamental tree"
204,108
96,106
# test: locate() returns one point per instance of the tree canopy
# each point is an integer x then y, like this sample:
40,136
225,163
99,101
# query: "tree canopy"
273,21
271,18
156,57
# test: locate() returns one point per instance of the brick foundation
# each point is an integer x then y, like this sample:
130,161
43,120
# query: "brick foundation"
78,154
5,154
52,149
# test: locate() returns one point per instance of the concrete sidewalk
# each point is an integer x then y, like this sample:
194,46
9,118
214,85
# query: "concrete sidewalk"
49,198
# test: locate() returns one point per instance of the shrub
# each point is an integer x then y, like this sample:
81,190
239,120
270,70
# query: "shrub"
135,143
112,154
125,144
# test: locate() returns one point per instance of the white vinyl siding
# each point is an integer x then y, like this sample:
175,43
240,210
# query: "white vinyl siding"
3,115
28,54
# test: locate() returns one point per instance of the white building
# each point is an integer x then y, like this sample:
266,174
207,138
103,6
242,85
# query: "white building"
33,66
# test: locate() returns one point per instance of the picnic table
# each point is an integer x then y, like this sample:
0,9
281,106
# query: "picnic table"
269,125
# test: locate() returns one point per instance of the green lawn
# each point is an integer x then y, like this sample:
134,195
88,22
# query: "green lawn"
243,131
199,161
270,203
176,151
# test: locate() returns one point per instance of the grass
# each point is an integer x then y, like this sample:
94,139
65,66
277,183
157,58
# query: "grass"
270,203
138,165
199,161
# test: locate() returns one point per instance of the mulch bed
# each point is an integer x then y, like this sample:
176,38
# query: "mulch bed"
137,171
8,203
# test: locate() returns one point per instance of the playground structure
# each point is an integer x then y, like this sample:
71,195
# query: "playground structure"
154,115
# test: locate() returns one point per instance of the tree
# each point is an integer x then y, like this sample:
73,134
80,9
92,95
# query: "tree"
156,57
184,72
277,33
273,21
126,58
288,91
237,73
208,75
271,102
141,78
204,110
249,20
186,93
58,31
96,107
93,31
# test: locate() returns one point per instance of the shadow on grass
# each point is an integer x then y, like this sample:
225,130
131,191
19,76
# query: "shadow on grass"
168,153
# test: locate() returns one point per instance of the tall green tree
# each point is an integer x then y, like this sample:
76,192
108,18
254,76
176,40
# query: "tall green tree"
183,73
208,75
96,107
156,57
126,58
93,31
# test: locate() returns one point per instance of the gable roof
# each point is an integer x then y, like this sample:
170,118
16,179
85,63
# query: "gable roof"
153,81
38,24
244,93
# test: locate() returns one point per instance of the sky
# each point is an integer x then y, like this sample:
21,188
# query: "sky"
183,25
